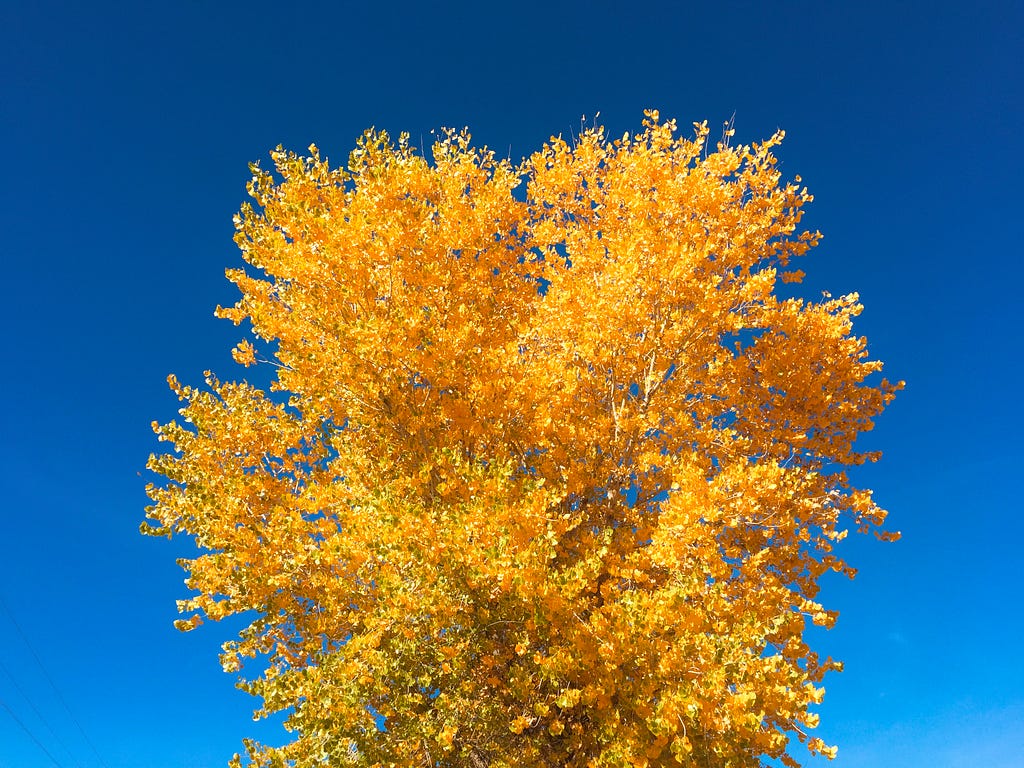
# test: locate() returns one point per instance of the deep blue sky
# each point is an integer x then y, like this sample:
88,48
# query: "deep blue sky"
127,129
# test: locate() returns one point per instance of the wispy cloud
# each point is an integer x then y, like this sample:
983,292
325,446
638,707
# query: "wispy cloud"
965,735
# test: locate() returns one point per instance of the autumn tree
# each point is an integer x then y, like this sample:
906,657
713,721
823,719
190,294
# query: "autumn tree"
547,473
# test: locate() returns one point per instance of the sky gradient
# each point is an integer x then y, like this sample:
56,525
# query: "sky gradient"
128,128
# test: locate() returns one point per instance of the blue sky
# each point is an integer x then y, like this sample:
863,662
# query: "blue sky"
127,131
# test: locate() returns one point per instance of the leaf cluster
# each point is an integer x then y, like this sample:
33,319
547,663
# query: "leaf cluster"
548,473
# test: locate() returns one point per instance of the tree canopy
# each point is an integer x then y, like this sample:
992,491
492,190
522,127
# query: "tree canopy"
548,471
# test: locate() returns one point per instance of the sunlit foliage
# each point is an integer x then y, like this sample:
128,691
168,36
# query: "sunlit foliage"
548,473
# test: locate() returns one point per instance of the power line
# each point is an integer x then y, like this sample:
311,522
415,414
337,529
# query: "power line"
53,685
35,709
30,734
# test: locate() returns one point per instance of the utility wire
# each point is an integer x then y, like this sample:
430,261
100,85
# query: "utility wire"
53,685
30,734
39,714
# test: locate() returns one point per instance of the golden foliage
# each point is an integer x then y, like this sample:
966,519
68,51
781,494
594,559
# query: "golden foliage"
548,473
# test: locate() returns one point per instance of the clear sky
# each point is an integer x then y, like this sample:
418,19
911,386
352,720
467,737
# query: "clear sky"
127,129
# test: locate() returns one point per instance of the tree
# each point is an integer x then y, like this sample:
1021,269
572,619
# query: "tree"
547,474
